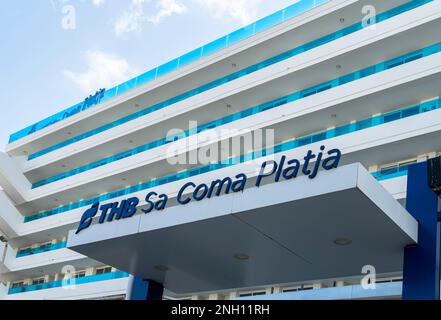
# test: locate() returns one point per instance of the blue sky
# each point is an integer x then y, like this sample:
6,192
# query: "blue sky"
54,53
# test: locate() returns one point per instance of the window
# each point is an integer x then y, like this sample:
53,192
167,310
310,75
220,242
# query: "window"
387,280
37,281
251,294
396,167
45,246
291,290
80,274
17,284
103,270
299,288
407,163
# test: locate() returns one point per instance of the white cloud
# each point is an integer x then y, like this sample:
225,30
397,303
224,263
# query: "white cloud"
245,11
98,3
103,71
132,19
166,8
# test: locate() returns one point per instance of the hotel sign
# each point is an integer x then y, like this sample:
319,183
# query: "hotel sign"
283,170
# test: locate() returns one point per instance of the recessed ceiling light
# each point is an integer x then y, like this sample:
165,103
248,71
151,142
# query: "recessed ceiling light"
161,268
342,242
241,256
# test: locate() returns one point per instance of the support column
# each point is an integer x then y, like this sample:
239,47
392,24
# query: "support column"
140,289
421,273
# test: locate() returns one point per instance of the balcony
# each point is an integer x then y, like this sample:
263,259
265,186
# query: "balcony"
264,64
42,249
70,282
248,112
88,287
300,142
149,76
82,158
389,65
256,52
389,290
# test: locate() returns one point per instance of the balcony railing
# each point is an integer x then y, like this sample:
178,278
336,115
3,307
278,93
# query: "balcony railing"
303,141
252,111
42,249
289,54
386,290
70,282
390,173
212,47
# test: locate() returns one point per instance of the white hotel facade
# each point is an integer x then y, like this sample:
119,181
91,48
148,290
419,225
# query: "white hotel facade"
361,76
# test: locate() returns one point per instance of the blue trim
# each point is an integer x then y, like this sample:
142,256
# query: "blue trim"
421,273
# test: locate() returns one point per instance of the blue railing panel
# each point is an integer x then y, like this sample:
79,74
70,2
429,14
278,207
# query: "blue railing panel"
70,282
327,134
254,110
45,248
192,55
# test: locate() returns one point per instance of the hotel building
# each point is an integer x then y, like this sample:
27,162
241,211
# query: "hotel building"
363,77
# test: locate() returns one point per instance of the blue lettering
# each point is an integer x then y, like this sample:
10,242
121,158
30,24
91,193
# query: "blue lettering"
130,208
127,208
197,195
86,219
150,203
262,173
333,161
181,192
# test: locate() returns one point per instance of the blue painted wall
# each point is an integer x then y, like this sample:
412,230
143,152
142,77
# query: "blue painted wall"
421,262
